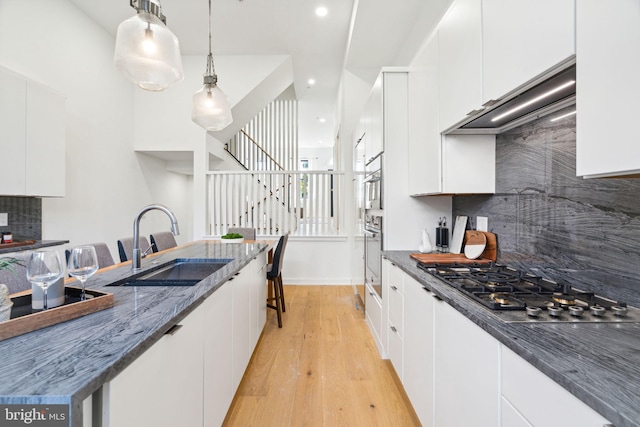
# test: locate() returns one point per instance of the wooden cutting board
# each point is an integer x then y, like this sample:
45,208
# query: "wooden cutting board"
491,248
448,259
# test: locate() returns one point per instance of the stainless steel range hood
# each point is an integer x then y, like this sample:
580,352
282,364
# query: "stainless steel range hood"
549,92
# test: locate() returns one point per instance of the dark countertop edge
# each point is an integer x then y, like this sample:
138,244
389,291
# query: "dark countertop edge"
200,292
39,244
497,328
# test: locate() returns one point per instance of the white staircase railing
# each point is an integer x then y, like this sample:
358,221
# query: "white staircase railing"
275,202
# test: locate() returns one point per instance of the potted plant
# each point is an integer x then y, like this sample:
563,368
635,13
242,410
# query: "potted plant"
232,238
7,263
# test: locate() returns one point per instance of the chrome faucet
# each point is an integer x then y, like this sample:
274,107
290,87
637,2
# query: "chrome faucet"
137,253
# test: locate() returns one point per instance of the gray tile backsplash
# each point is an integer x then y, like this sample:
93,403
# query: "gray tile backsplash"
541,208
25,217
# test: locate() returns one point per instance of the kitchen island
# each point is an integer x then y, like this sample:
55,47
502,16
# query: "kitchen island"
598,363
69,363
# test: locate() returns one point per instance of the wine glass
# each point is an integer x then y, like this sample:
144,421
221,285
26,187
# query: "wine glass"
43,269
83,263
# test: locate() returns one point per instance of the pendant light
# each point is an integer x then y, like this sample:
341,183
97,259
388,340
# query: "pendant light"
211,108
147,52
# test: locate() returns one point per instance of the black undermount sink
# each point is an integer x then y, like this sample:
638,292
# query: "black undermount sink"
179,272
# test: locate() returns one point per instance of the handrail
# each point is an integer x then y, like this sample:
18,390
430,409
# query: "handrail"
261,149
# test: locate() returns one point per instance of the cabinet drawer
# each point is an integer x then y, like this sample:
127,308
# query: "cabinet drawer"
396,311
396,282
396,351
561,407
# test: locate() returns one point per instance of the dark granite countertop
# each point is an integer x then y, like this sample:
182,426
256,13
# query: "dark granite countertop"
599,363
37,245
67,362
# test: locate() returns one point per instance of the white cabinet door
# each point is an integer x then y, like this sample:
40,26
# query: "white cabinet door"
469,164
242,326
32,122
460,62
217,378
45,142
13,90
163,387
260,287
374,120
561,408
396,318
466,372
522,39
608,42
425,169
373,310
418,348
511,417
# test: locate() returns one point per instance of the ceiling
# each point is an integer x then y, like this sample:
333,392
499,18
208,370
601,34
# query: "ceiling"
355,34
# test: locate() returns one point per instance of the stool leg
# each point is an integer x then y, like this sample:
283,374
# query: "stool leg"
284,308
276,292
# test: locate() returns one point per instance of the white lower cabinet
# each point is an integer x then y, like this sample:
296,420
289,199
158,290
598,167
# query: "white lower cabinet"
396,318
189,377
217,375
163,387
418,348
467,371
373,310
525,390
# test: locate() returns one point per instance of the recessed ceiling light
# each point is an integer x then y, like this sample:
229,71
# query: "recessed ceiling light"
322,119
321,11
311,82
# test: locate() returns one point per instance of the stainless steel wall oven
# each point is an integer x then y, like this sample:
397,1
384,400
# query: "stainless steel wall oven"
373,252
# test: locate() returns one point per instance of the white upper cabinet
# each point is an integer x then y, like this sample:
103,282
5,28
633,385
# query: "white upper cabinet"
460,61
45,142
440,164
469,164
13,107
424,135
608,59
33,132
522,39
489,48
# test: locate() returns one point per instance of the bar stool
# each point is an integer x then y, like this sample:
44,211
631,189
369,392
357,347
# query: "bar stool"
162,240
125,247
274,276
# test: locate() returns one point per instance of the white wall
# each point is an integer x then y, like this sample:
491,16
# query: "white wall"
320,158
52,42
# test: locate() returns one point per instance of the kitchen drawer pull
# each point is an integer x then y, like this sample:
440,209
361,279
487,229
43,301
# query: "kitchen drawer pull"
371,293
393,328
436,297
424,288
395,288
172,330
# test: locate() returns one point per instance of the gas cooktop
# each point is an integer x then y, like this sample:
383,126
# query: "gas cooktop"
516,296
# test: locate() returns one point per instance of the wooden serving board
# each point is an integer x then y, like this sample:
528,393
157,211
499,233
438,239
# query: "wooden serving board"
23,320
491,248
448,259
17,244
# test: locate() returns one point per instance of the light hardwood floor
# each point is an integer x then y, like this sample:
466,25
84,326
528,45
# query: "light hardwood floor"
321,369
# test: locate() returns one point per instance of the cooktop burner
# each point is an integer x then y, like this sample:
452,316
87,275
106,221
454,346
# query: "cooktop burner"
517,296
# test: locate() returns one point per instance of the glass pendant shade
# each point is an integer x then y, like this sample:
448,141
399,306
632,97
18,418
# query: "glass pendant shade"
148,53
211,109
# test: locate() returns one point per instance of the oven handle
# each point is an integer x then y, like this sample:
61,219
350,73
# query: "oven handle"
373,234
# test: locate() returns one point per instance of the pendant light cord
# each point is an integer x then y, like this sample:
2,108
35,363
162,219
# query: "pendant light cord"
210,68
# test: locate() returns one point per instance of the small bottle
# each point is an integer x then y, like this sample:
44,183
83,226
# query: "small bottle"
7,237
